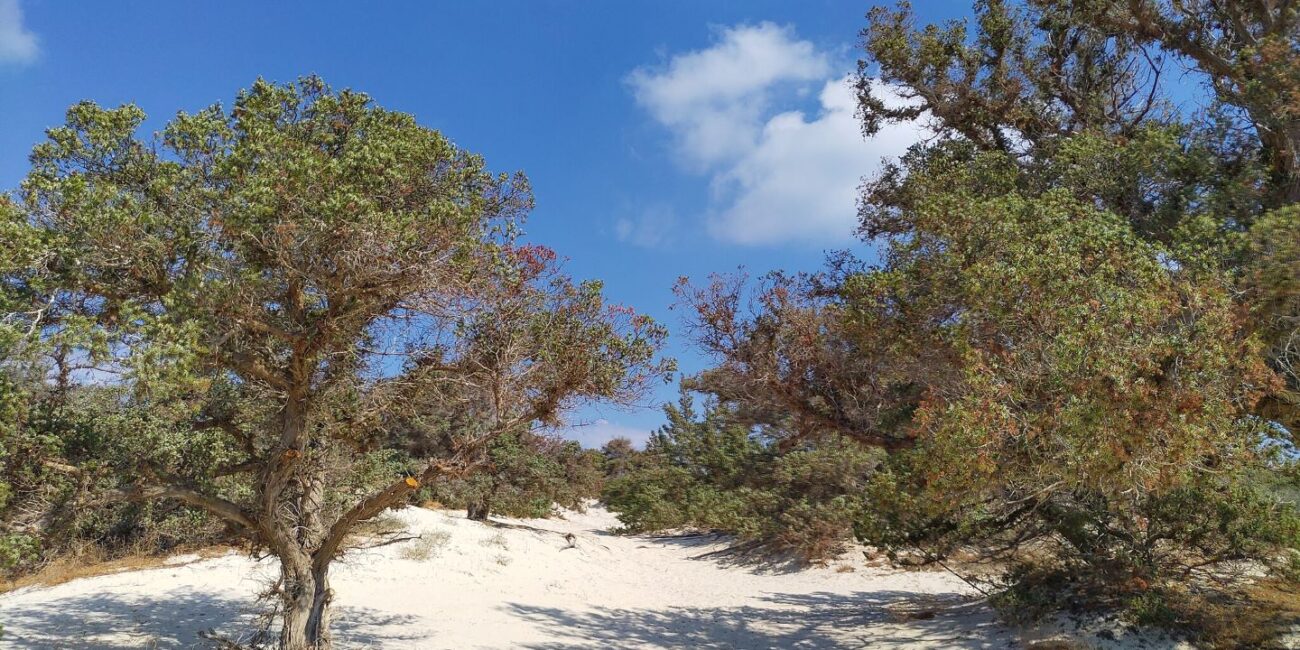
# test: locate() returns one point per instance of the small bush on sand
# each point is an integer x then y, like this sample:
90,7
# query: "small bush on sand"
706,471
430,545
525,475
497,541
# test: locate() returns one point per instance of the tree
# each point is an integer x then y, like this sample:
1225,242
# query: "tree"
1058,104
706,469
298,280
694,473
525,474
1091,379
1055,347
1035,76
1036,374
617,456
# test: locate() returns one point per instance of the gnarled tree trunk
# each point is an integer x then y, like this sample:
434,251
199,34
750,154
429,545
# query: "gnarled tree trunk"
478,510
306,594
318,623
305,598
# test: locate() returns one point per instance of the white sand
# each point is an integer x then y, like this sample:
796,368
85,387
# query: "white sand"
516,585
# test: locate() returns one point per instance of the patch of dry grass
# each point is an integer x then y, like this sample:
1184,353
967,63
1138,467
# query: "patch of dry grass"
90,562
498,540
1058,644
376,531
1253,617
429,545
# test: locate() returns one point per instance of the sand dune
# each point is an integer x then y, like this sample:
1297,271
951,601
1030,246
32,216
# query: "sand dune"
518,584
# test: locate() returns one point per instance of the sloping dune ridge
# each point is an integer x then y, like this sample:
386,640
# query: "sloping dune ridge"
520,584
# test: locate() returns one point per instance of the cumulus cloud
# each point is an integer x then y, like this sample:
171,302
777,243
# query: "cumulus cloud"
777,175
800,181
17,43
714,99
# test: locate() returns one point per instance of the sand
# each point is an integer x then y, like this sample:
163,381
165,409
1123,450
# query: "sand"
518,584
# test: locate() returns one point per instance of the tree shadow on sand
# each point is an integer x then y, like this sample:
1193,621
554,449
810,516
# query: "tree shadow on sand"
816,621
169,619
724,550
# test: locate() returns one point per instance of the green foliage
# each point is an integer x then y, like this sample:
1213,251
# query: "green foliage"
652,498
68,450
1063,295
249,278
18,550
1052,354
707,471
526,475
1082,356
693,474
617,457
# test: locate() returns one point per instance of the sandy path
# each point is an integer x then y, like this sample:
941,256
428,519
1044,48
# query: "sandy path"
514,584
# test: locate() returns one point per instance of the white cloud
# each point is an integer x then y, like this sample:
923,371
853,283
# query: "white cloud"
801,179
593,435
777,177
714,99
17,44
652,227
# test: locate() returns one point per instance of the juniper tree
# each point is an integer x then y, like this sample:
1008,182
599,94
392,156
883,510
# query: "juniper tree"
1065,338
706,469
1036,376
294,281
525,474
1029,78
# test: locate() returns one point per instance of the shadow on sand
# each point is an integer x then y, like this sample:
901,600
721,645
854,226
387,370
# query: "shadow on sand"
171,619
725,551
883,619
820,620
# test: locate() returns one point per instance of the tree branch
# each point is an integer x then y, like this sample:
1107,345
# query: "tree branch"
214,505
381,501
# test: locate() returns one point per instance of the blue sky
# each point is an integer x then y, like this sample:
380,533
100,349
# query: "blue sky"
662,138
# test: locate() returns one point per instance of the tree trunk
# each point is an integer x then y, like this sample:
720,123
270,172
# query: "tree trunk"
318,623
478,511
306,548
297,589
305,599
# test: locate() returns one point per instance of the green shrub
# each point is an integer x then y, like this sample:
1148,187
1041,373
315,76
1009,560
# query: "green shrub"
526,475
707,471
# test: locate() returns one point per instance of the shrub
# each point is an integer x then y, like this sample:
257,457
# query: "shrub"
429,545
706,471
525,475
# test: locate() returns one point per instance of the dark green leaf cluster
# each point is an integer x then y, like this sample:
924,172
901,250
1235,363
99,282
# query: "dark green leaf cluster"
707,471
1076,352
526,475
306,307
